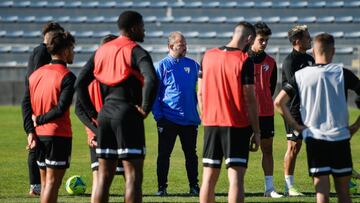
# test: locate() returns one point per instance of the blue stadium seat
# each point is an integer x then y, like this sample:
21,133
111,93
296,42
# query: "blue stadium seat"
6,4
194,4
178,4
39,4
78,49
160,50
20,49
285,50
96,19
289,19
43,19
245,4
355,34
272,50
274,19
335,4
166,19
88,49
64,19
107,4
126,4
74,4
298,4
143,4
90,4
32,34
317,4
27,19
254,19
111,19
344,50
281,4
219,19
5,49
263,4
192,34
307,19
200,19
84,34
207,35
212,4
344,19
182,19
231,4
3,33
325,19
196,50
15,34
22,4
338,34
10,19
352,4
150,19
155,34
57,4
77,19
235,20
159,4
279,35
224,35
101,34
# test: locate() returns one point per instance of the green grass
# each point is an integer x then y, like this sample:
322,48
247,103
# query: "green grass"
14,172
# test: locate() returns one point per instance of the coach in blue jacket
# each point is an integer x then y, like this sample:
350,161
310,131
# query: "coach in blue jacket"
175,111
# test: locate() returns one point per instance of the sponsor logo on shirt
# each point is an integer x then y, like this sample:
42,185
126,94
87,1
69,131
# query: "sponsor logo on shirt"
265,67
187,70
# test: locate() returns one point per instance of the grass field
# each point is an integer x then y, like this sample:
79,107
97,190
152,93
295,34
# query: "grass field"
14,172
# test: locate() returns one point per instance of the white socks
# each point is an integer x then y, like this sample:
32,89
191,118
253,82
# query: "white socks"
289,182
269,185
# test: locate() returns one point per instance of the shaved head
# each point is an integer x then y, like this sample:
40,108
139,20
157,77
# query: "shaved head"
173,36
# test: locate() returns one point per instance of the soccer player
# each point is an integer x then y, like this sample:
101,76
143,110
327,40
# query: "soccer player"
322,90
91,126
175,111
229,113
300,39
265,72
128,85
39,57
50,89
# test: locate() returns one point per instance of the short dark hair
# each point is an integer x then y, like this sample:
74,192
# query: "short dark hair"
59,41
108,38
129,19
326,41
249,28
297,33
52,27
262,29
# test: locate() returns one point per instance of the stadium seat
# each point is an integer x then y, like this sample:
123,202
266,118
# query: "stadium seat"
344,50
57,4
178,4
263,4
212,4
254,19
224,35
245,4
43,19
281,4
279,35
182,19
3,33
317,4
219,19
112,19
6,4
90,4
274,19
160,50
20,49
289,19
39,4
107,4
96,19
355,34
307,19
338,34
166,19
352,4
298,4
200,19
150,19
10,19
75,4
335,4
343,19
154,34
101,34
5,49
32,34
88,49
272,50
75,19
235,19
159,4
207,34
27,19
325,19
285,50
15,34
126,4
231,4
192,34
64,19
143,4
22,4
195,4
84,34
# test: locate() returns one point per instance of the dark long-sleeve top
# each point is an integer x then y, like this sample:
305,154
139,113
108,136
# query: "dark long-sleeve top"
129,91
259,58
39,57
83,116
65,99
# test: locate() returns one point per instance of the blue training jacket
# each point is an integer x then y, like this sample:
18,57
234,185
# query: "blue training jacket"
176,98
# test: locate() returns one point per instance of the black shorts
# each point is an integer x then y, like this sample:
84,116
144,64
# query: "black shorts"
95,163
325,157
266,126
290,134
54,152
121,138
228,142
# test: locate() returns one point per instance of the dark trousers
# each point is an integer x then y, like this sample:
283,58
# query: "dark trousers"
167,132
34,173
